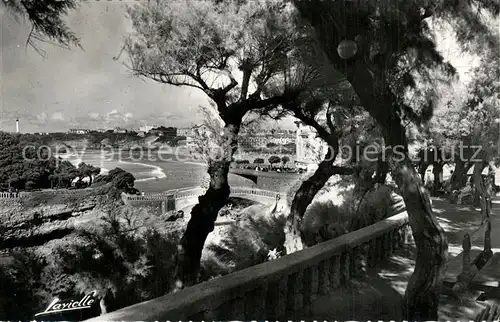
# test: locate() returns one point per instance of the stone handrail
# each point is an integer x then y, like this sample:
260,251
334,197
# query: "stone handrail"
197,191
274,289
13,195
24,194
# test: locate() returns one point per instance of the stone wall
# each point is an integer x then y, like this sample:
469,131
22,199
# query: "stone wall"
276,289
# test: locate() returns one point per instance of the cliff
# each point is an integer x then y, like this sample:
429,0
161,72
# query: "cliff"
48,215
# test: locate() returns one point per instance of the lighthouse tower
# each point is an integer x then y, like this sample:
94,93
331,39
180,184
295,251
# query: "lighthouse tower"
17,126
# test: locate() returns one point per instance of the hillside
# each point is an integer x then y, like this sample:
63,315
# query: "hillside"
94,140
50,214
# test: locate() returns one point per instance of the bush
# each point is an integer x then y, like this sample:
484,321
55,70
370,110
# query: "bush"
274,159
247,243
23,290
119,257
324,220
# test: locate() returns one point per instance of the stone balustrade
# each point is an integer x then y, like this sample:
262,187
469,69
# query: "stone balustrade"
13,195
197,191
275,289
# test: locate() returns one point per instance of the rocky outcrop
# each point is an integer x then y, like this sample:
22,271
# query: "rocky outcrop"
22,227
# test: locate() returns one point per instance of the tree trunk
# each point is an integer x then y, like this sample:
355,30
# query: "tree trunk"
294,239
102,305
479,187
459,176
381,173
422,293
204,214
437,170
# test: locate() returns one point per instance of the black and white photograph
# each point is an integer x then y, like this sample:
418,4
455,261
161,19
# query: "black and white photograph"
250,160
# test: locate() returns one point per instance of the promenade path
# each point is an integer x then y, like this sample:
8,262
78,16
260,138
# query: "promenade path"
378,296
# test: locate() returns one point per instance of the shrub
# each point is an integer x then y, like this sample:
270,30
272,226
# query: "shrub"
247,243
324,220
23,292
274,159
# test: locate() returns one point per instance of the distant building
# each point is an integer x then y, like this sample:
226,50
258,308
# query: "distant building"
17,126
146,128
262,138
79,131
141,134
309,148
120,130
41,133
168,132
101,130
185,131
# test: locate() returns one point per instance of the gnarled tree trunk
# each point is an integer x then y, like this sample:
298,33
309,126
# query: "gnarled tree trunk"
479,186
422,293
437,170
294,239
204,214
459,176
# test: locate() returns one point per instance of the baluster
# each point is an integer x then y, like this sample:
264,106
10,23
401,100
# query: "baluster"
276,299
346,266
323,277
309,288
362,259
401,236
294,292
380,248
354,264
394,241
372,255
255,303
335,272
487,240
466,268
386,249
390,244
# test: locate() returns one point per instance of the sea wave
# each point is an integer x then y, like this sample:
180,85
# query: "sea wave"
157,173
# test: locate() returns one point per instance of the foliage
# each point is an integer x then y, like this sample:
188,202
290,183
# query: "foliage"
247,242
258,161
88,170
120,259
325,220
24,290
274,159
47,18
23,160
119,256
120,179
285,159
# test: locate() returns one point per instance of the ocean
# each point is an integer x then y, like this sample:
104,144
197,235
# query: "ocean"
153,173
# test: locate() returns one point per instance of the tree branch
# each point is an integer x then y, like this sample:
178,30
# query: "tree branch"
168,78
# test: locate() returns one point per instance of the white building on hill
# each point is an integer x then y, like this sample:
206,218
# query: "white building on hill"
309,147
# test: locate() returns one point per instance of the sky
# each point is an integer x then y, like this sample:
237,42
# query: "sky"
87,88
84,88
